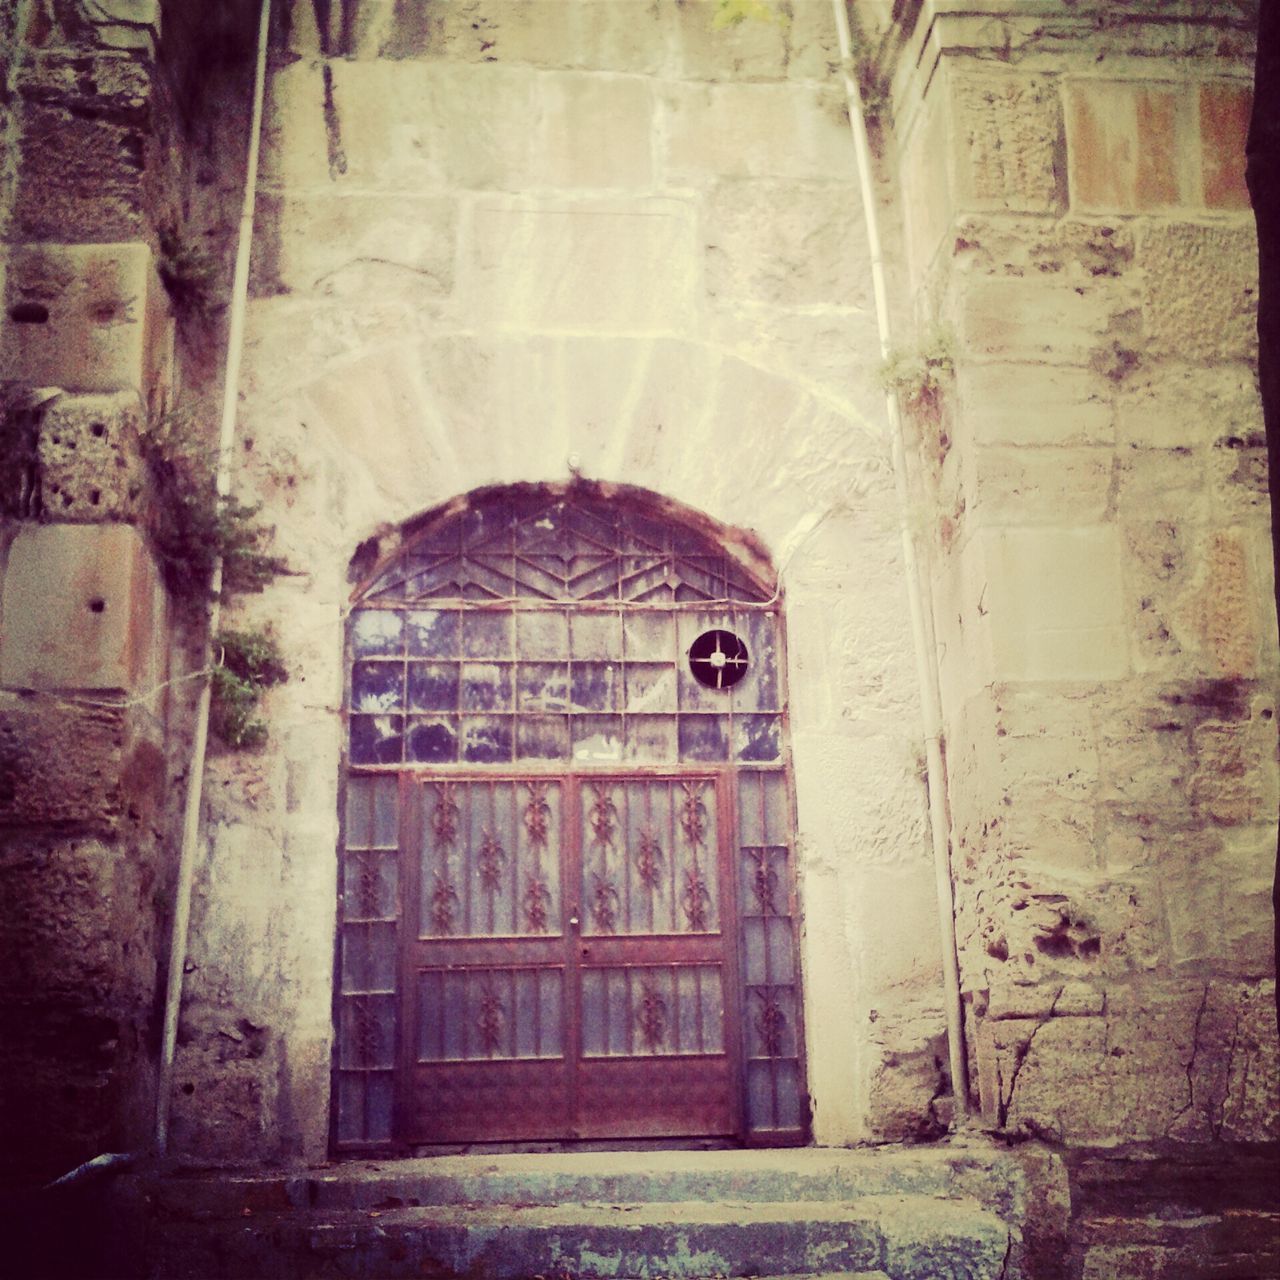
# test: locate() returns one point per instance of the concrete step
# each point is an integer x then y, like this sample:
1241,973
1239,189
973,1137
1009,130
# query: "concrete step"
988,1175
904,1237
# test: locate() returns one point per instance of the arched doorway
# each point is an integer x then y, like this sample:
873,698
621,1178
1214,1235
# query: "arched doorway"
567,902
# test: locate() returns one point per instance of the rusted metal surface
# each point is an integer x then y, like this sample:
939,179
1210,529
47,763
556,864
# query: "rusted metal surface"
568,901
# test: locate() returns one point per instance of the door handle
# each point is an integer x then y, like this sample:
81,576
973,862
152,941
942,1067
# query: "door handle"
573,922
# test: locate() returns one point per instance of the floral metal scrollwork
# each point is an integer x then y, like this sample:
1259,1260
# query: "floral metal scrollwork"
649,858
652,1017
771,1023
490,858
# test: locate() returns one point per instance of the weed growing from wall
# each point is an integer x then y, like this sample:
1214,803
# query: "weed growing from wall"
192,527
249,662
189,272
919,374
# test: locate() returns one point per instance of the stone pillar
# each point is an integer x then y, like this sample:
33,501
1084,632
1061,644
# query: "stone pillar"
85,343
1077,225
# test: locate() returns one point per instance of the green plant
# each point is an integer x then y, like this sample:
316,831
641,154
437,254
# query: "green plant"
189,272
248,663
192,527
918,374
730,13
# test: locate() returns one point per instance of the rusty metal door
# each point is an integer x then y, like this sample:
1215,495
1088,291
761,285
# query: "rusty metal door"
571,972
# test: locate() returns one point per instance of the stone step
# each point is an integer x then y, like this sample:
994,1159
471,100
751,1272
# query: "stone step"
904,1237
557,1178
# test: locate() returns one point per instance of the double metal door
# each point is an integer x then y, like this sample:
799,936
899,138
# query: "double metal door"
569,968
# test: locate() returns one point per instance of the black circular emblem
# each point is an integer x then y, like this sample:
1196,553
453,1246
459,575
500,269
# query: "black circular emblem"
718,659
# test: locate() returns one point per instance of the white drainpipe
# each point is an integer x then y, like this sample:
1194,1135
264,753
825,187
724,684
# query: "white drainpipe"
917,590
195,770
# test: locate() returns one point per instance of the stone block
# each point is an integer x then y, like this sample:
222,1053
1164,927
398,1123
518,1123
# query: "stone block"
86,141
1165,1061
753,50
583,265
1228,607
1200,289
753,131
90,465
1028,486
1007,132
595,132
1056,604
1125,150
927,198
60,764
602,35
786,244
1161,484
1045,321
85,318
1024,404
356,245
1167,404
1225,106
410,126
82,608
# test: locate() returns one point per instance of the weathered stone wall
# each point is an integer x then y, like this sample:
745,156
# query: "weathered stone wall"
85,339
503,242
1077,221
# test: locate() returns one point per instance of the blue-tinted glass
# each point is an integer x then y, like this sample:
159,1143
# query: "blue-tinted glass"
486,739
430,633
433,740
377,686
757,737
375,632
704,737
376,739
433,686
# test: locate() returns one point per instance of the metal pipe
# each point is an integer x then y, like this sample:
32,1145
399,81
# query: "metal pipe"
195,771
917,590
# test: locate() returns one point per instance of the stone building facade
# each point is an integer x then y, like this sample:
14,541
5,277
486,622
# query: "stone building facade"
607,248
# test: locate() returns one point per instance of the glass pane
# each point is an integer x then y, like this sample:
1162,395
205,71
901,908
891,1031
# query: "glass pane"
377,686
487,635
593,1013
542,634
757,737
597,635
369,957
486,739
485,687
386,813
650,637
359,823
596,686
367,1035
704,738
369,885
376,632
651,739
542,737
597,738
651,688
431,633
542,686
376,739
432,739
430,1016
433,686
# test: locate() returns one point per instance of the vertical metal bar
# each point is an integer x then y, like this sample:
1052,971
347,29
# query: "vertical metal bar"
410,833
572,905
623,833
